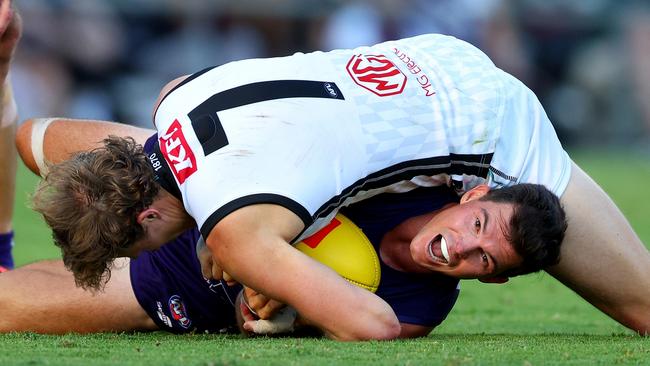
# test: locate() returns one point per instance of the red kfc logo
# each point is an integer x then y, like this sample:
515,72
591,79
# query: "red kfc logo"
177,152
376,73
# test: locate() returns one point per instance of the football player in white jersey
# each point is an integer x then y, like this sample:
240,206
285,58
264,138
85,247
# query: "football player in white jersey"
55,139
420,302
261,153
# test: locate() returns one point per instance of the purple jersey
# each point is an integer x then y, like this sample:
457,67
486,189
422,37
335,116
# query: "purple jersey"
422,299
169,286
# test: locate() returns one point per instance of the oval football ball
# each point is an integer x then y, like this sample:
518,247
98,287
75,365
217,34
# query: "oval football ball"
342,246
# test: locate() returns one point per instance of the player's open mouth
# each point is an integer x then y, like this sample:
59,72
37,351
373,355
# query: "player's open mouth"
438,250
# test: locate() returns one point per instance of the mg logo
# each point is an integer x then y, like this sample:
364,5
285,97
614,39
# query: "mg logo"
377,74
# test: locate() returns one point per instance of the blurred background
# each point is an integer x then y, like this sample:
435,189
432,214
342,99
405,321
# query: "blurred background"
588,61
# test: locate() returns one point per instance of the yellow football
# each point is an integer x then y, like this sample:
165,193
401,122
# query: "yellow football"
342,246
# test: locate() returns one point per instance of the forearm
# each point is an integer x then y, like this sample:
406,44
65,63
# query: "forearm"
341,310
10,32
54,140
258,315
324,299
8,153
7,176
303,327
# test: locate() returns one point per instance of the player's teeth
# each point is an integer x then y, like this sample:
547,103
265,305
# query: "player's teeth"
433,242
430,249
443,248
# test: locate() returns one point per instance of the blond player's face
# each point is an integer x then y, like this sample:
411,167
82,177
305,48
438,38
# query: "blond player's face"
467,240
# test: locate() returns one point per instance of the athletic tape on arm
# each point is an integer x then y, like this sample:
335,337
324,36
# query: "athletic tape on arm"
39,126
281,322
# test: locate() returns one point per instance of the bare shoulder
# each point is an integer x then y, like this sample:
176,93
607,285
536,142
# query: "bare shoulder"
167,88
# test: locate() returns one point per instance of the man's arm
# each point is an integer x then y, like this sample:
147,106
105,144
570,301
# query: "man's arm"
44,299
252,244
8,152
602,259
243,311
10,32
54,140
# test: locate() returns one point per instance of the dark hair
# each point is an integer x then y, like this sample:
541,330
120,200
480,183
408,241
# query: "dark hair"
92,201
536,228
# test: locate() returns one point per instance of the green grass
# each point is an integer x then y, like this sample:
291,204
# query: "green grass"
529,321
32,236
460,349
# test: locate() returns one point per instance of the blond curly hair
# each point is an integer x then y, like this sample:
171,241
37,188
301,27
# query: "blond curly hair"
92,201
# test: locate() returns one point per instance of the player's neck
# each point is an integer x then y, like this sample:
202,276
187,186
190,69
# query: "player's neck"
394,249
173,210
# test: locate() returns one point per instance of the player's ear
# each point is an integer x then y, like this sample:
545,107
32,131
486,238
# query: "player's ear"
475,193
496,279
147,215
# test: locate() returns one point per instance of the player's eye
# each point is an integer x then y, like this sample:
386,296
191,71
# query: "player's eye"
484,258
477,225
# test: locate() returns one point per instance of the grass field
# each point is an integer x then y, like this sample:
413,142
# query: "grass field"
528,321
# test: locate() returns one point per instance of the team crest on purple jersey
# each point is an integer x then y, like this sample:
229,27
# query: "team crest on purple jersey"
178,311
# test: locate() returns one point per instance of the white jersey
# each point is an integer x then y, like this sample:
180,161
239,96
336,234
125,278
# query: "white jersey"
315,132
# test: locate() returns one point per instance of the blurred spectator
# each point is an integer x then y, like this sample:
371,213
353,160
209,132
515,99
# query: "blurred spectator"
354,24
486,24
582,67
588,61
195,42
70,49
636,23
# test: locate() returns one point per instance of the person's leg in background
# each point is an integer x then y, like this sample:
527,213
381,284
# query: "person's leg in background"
8,117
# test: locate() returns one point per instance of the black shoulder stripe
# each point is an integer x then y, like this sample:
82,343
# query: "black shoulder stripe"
205,119
503,175
475,165
254,199
266,90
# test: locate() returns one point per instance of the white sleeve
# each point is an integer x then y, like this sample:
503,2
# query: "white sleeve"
528,149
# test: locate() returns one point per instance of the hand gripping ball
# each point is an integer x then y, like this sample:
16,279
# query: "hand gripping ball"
342,246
